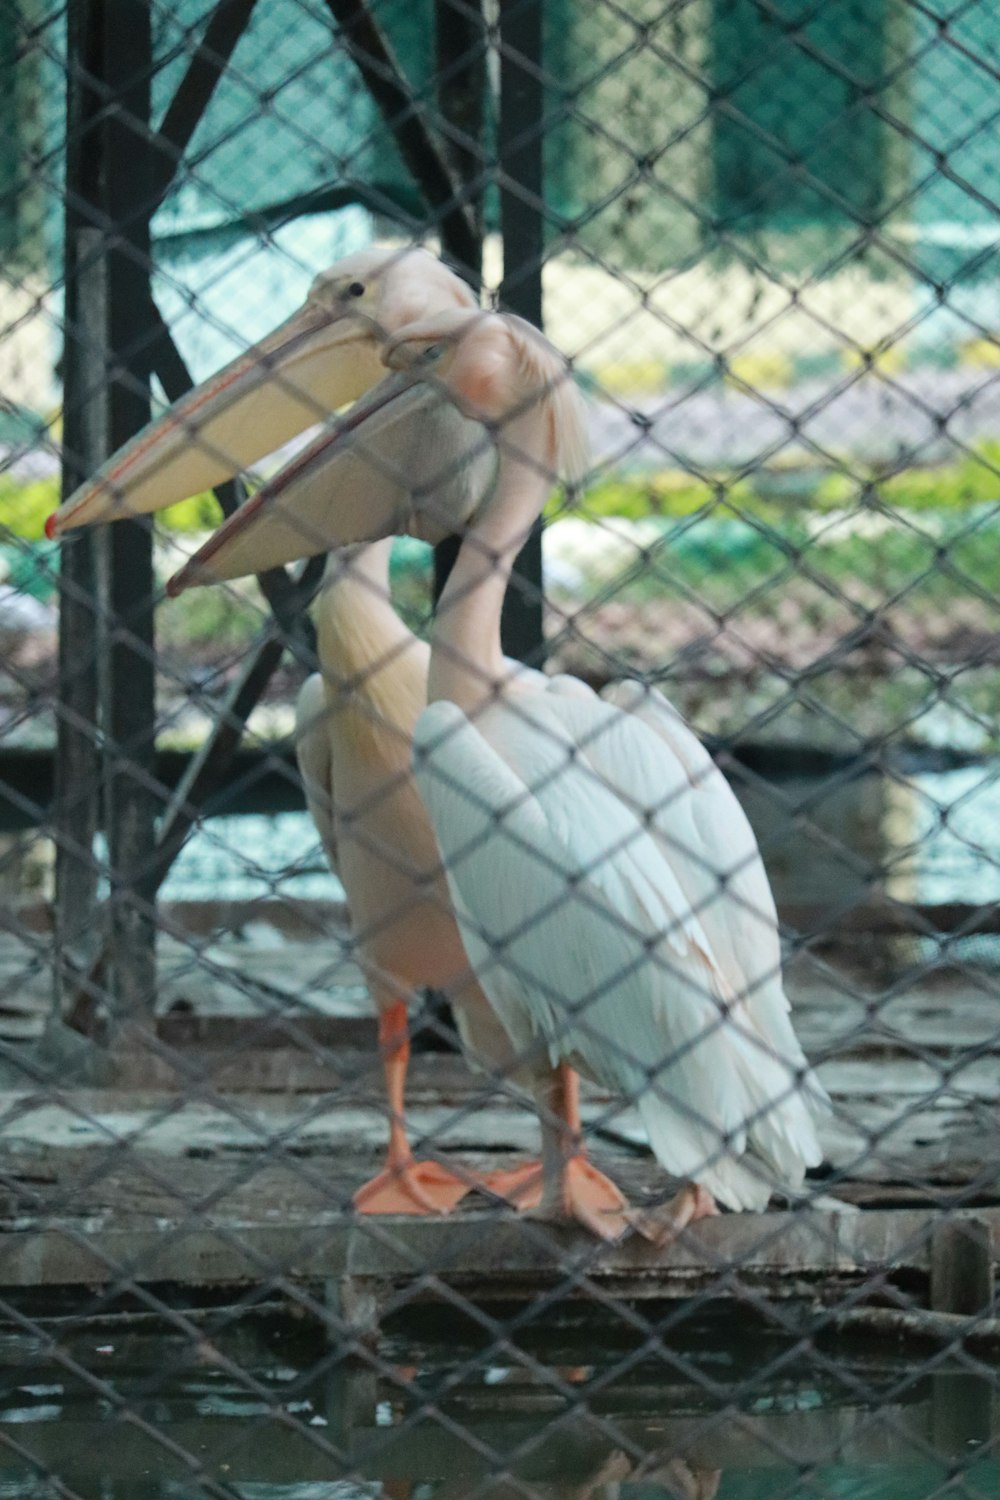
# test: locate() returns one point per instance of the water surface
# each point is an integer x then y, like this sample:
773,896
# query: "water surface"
565,1404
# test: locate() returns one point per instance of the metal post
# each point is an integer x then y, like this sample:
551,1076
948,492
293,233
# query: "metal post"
75,815
460,66
116,175
128,697
400,109
521,129
106,627
460,59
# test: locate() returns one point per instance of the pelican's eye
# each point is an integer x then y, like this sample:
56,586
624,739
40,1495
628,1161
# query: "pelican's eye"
409,354
356,289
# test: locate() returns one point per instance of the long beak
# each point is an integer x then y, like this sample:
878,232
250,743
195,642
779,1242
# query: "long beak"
403,461
314,363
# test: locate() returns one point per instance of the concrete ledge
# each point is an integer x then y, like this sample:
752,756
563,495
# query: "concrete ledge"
493,1254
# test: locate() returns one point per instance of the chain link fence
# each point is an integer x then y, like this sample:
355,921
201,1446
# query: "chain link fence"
363,1127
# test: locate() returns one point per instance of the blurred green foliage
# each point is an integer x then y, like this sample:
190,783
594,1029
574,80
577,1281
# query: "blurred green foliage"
923,535
971,480
24,507
215,623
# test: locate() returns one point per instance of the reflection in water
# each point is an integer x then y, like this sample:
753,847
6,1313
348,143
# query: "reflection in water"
720,1408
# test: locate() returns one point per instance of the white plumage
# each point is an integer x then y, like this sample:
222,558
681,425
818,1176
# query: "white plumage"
585,859
608,887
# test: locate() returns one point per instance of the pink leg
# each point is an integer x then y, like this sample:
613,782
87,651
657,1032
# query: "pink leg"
573,1187
405,1185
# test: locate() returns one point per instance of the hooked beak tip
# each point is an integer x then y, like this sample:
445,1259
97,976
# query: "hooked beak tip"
192,575
51,527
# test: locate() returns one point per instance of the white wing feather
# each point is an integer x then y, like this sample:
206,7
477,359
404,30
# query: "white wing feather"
708,841
314,750
582,935
725,877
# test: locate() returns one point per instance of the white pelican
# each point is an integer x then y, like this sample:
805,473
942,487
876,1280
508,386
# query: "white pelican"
322,357
355,718
608,887
354,727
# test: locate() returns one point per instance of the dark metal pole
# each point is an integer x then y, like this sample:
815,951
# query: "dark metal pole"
403,116
115,176
460,60
128,686
186,109
522,231
77,776
460,67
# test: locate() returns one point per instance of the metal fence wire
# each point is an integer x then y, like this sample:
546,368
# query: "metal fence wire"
398,1090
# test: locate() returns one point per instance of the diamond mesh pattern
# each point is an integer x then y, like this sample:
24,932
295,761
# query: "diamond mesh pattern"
760,236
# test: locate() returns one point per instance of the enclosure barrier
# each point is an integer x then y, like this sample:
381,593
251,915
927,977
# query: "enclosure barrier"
760,238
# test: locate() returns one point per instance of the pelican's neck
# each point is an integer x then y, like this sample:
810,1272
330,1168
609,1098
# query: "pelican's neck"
356,624
363,566
467,662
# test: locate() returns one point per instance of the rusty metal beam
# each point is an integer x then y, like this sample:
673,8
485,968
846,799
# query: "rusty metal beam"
386,82
490,1255
209,61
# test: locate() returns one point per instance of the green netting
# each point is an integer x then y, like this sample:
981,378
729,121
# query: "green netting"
291,124
663,125
22,129
797,134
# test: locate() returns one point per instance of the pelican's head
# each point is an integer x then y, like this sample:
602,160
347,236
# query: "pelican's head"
325,355
500,371
391,288
419,455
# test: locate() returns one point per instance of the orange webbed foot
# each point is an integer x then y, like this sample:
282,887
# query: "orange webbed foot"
413,1187
520,1186
663,1225
585,1194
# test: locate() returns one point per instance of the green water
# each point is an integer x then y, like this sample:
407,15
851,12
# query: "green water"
580,1404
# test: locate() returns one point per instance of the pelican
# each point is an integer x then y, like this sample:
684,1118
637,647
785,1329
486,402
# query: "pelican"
354,726
608,888
327,354
355,717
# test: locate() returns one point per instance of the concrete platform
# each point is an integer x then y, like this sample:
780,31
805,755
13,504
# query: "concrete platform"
229,1149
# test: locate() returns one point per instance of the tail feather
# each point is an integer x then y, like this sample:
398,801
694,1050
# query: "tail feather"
779,1144
737,1182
